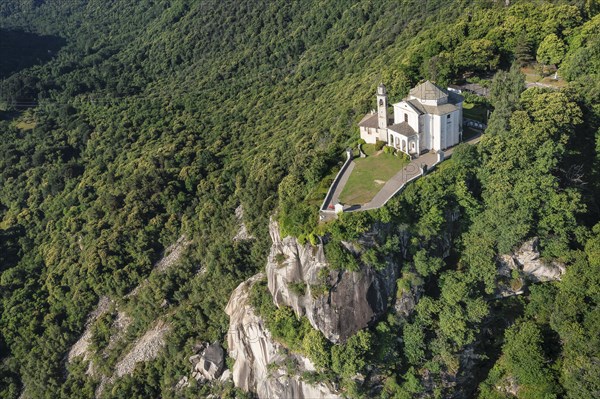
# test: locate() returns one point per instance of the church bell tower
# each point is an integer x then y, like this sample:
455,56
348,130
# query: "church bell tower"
382,105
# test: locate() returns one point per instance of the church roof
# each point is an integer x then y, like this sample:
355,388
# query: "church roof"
428,91
416,105
370,120
455,98
403,128
440,109
432,109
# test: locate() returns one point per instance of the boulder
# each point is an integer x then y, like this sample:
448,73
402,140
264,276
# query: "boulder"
183,383
208,365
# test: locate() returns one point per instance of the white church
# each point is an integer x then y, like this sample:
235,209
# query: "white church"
430,118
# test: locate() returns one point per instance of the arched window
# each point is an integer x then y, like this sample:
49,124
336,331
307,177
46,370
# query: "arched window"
406,118
381,102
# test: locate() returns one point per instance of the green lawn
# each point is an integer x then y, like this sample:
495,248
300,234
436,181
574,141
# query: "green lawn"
475,111
369,176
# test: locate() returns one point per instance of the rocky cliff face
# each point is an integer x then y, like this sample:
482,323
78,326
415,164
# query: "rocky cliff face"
407,300
527,260
261,364
339,303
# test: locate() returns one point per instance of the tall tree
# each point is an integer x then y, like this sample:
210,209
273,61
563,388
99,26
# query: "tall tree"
523,50
551,50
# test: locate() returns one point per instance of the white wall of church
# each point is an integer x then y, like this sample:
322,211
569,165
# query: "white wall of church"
446,130
426,139
370,134
400,110
436,132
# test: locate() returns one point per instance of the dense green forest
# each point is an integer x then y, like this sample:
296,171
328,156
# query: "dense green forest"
126,125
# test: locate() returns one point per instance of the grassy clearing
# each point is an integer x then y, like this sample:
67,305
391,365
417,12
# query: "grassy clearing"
25,125
550,81
369,176
25,120
532,75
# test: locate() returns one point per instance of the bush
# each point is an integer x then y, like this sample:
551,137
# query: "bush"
339,258
349,359
316,347
280,259
298,288
474,98
371,258
317,290
426,265
379,145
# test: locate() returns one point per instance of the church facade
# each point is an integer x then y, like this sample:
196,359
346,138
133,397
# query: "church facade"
430,118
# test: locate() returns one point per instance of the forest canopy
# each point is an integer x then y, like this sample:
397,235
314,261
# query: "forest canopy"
127,125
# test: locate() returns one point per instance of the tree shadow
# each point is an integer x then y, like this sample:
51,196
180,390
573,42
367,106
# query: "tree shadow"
20,50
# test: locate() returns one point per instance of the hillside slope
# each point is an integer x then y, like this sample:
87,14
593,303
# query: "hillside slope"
158,119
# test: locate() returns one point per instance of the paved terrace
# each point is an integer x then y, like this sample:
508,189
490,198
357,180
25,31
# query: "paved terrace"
410,172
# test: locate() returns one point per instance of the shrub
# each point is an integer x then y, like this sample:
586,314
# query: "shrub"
371,258
379,145
280,259
426,265
349,358
516,284
317,290
340,258
474,98
316,347
298,288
